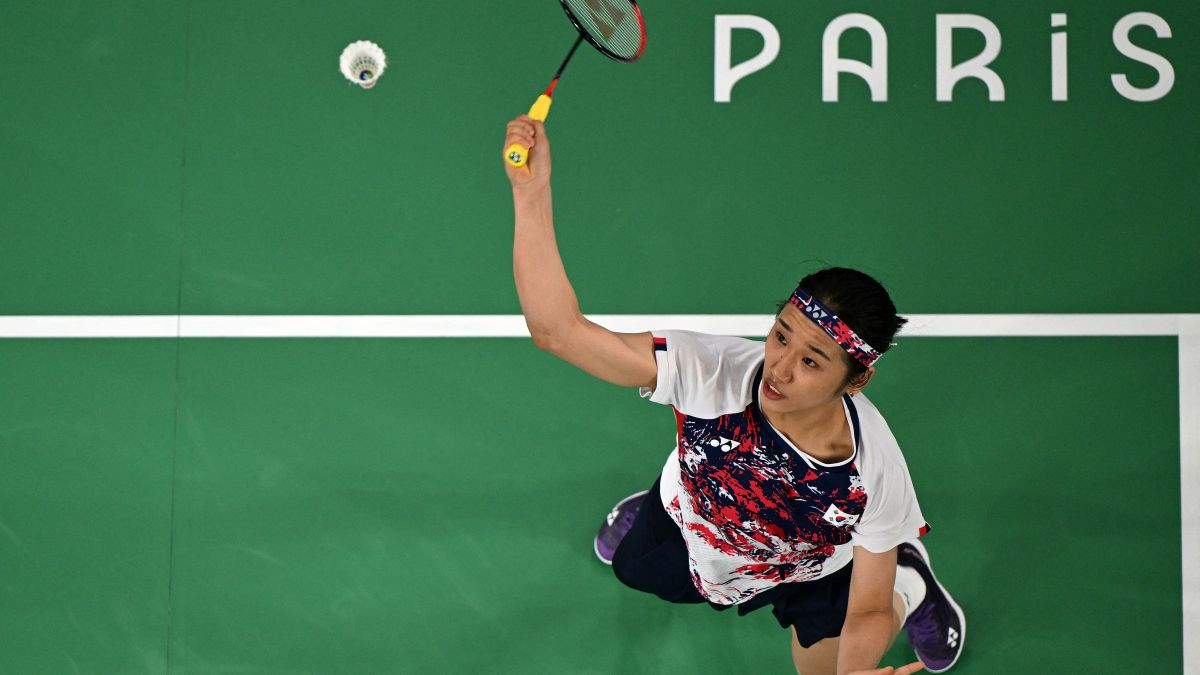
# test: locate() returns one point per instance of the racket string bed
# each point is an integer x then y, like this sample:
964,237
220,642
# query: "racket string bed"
614,27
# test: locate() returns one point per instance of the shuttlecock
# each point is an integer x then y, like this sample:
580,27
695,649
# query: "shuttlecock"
362,63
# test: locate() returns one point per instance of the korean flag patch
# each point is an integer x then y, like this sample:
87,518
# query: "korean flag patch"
839,518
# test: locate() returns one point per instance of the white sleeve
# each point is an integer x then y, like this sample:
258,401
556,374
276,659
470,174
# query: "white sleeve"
892,515
703,375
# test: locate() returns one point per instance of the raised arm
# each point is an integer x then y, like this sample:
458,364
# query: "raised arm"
547,300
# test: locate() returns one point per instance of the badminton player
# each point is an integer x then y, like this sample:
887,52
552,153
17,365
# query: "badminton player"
786,488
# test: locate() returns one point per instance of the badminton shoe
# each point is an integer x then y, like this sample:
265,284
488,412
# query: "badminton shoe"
616,525
936,628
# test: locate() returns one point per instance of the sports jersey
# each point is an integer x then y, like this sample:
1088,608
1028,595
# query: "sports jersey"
754,510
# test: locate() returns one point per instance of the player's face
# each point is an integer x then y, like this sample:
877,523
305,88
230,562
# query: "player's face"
804,367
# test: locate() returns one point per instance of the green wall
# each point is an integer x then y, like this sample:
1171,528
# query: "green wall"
208,158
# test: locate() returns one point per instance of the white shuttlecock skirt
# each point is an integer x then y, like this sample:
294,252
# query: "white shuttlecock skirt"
362,63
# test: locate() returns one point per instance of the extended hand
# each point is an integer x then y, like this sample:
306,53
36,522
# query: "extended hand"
531,134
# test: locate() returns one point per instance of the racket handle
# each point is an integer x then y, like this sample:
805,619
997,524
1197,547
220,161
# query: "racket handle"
517,154
541,108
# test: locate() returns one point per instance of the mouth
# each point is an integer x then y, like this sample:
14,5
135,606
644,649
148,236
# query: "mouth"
770,391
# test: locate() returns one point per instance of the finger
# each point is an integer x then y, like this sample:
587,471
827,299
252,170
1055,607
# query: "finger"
911,668
522,139
522,131
521,124
539,133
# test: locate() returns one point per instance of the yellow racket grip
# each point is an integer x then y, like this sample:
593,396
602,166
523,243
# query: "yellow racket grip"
541,108
517,154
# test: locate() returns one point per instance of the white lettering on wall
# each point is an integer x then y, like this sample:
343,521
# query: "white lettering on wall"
948,74
1166,73
875,73
725,74
1058,58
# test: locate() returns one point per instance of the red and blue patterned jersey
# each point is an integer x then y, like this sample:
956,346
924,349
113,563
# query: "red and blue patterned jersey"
754,510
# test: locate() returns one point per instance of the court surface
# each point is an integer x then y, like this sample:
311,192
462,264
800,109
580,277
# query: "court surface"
346,500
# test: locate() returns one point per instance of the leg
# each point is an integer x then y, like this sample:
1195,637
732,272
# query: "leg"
650,554
897,616
821,658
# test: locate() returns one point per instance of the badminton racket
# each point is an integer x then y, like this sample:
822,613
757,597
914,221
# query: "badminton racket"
614,27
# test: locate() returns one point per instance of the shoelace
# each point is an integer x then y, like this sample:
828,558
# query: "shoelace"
923,628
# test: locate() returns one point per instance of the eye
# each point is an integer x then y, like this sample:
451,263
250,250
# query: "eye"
809,362
779,336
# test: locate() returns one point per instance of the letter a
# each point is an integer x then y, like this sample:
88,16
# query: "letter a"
832,63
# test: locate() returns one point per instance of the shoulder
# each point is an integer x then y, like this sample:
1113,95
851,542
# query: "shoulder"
881,452
704,375
686,340
708,355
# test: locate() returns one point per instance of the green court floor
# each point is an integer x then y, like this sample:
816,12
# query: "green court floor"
372,506
321,506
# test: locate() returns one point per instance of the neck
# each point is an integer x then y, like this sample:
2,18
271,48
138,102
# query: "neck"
821,432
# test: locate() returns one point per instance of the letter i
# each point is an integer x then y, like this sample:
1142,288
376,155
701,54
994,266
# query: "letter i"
1058,58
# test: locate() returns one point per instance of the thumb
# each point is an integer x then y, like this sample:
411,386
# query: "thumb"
539,152
539,134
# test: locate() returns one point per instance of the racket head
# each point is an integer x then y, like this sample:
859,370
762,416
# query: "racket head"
615,28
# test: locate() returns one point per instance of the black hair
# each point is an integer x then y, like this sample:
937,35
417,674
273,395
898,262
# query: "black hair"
862,302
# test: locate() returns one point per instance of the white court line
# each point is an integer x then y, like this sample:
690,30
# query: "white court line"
1189,485
1185,326
505,325
89,327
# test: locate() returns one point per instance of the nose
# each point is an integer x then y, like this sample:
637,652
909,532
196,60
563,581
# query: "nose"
781,370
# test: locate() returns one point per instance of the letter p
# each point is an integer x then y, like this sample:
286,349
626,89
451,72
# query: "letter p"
725,74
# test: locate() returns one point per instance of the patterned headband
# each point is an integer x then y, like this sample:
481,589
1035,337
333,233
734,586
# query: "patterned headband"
847,339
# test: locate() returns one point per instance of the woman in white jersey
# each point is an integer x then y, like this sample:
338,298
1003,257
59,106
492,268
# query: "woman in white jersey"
786,487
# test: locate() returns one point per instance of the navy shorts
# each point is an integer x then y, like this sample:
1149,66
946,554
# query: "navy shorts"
653,558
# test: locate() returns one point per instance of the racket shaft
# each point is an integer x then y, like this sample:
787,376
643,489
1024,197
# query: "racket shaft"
517,154
562,66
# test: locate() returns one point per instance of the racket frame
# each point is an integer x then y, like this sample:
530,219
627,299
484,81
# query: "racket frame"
517,154
637,12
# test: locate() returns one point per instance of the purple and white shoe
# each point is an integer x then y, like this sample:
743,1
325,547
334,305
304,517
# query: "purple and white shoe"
616,525
937,628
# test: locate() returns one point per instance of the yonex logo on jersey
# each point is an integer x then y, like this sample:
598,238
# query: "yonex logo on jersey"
856,485
952,638
755,511
724,444
839,518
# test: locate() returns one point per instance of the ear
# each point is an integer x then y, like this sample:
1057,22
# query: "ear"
859,382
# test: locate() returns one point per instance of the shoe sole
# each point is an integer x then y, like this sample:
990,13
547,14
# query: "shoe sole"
623,502
962,618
